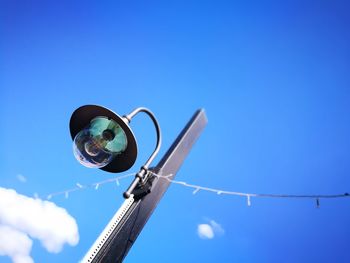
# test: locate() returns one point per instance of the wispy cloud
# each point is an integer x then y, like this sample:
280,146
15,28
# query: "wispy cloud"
21,178
22,218
217,228
209,230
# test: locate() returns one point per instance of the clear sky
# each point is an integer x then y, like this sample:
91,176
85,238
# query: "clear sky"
273,77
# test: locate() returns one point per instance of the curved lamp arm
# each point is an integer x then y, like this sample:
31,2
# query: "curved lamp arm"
143,171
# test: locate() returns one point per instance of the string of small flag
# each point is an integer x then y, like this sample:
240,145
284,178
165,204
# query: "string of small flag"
198,188
96,186
248,196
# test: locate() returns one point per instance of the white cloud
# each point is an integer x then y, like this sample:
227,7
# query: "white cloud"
15,244
23,216
208,231
205,231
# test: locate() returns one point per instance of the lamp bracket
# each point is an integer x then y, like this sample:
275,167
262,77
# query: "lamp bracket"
143,188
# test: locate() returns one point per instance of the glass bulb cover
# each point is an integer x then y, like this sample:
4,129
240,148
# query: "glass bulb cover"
98,144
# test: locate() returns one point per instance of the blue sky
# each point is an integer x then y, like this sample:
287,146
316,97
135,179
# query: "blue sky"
273,77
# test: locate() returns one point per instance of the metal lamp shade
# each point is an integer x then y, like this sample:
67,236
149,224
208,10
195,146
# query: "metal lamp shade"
82,117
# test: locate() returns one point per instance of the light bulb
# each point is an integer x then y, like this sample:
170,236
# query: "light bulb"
98,144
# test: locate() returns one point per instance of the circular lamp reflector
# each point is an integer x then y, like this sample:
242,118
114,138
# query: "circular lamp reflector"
99,143
102,139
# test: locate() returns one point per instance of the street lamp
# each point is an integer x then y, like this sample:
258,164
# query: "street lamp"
102,139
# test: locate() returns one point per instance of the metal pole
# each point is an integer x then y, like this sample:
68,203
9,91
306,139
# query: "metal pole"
122,231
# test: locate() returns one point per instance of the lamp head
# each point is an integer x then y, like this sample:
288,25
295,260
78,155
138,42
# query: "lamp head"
102,139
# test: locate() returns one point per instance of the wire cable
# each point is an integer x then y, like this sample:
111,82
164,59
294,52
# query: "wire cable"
198,188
